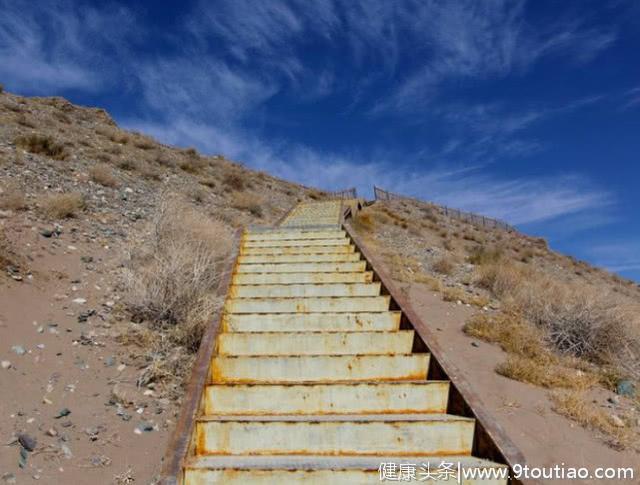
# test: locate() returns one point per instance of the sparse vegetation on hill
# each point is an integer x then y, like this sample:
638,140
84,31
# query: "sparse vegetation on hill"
563,323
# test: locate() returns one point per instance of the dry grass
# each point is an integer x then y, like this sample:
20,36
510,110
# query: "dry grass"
458,294
443,265
171,282
102,174
576,319
234,181
60,206
13,198
172,279
247,202
574,405
484,254
42,145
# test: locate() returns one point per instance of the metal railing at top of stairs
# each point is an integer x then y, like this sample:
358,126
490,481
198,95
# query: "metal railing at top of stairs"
343,194
479,220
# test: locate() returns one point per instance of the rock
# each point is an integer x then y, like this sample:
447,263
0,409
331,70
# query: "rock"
9,478
63,412
28,443
145,426
110,361
6,364
124,394
475,344
46,233
626,388
79,301
19,349
614,400
617,421
86,259
51,432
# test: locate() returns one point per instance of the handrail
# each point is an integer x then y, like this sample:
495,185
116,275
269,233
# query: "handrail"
484,221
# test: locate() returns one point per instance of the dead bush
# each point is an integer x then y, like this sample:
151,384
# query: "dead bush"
102,174
171,279
127,164
443,265
60,206
575,318
485,254
247,202
42,145
13,198
234,181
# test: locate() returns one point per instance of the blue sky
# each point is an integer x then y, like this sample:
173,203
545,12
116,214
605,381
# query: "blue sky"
526,111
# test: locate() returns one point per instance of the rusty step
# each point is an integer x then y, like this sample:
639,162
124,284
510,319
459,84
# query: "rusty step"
304,290
315,343
296,243
293,234
371,434
326,267
316,304
324,470
300,258
348,398
318,368
312,322
344,248
301,278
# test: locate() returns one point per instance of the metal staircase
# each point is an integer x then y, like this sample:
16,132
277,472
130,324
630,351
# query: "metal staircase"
313,379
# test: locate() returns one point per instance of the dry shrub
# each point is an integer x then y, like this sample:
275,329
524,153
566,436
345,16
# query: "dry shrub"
575,405
8,255
193,165
171,279
363,222
234,181
576,319
443,265
458,294
127,164
59,206
171,284
247,202
102,174
42,145
530,360
13,198
483,254
143,143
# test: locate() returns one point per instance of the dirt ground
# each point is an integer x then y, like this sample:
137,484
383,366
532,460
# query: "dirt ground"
524,411
61,319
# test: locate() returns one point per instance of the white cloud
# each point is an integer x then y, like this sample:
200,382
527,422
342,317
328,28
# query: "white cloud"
57,45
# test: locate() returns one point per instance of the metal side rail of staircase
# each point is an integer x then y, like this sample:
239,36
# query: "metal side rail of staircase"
317,371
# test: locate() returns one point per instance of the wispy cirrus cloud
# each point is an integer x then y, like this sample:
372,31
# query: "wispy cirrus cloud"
59,45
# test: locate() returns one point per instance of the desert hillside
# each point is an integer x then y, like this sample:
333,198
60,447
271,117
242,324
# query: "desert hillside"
111,245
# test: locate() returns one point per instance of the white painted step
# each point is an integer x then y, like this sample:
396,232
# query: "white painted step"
346,248
297,242
293,234
299,258
351,398
314,304
318,368
311,322
301,278
420,434
330,470
304,290
316,343
349,267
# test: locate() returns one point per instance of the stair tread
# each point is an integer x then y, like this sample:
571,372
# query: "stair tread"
320,462
332,418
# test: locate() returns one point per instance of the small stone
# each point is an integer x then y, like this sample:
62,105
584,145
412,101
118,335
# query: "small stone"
110,361
79,301
617,421
63,412
121,367
28,443
19,349
626,388
9,478
46,232
475,344
123,394
6,364
145,426
52,432
614,400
